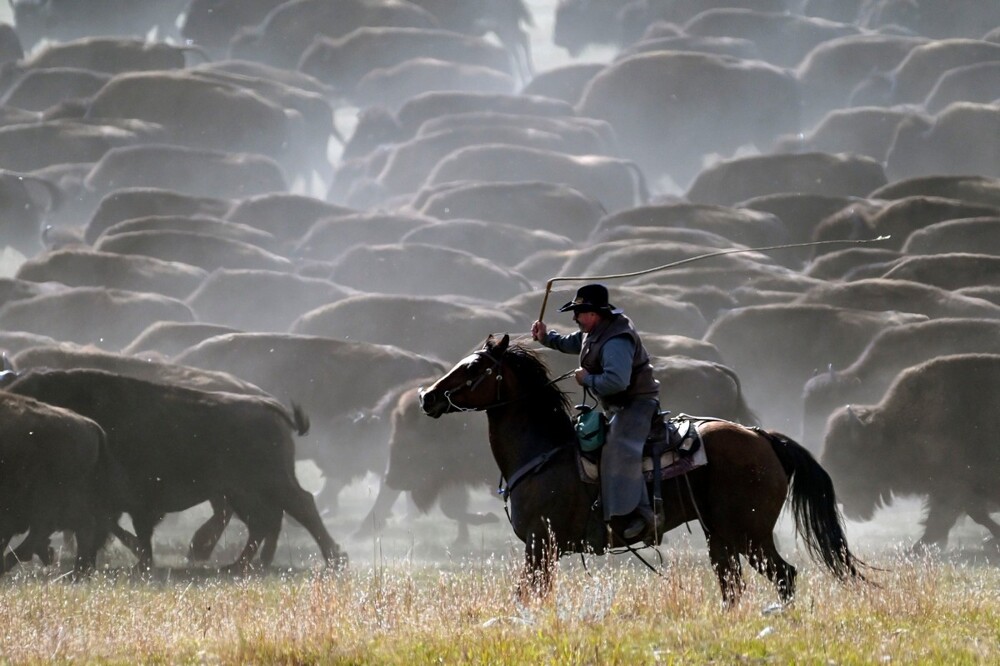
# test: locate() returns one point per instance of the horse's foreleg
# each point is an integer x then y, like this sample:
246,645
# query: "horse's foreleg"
536,576
726,562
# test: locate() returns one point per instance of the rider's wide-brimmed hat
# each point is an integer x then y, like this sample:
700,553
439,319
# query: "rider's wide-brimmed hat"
591,298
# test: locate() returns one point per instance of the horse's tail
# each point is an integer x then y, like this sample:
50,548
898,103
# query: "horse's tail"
814,507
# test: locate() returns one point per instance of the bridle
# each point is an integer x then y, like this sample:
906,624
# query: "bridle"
491,371
473,384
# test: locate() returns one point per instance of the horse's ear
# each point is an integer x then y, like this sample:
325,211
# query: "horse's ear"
495,346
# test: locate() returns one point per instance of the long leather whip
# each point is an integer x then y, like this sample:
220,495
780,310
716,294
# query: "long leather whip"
681,262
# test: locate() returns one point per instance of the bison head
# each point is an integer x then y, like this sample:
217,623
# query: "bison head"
851,454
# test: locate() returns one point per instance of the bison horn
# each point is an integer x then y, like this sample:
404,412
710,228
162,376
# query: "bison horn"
8,374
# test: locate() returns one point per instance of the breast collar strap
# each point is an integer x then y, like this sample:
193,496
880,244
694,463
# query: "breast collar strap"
524,470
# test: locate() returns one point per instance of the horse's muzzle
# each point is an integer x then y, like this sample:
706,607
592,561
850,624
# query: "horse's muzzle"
431,403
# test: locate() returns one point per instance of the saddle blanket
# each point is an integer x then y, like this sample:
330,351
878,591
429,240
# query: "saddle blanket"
672,463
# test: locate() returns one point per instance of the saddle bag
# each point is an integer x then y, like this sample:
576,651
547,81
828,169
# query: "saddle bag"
591,425
591,428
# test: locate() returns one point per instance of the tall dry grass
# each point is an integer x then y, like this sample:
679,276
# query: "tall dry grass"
612,612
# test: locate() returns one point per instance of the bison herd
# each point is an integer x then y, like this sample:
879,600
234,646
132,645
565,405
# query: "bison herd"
228,223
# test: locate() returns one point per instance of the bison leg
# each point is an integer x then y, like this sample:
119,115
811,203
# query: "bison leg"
726,562
454,503
299,504
127,538
980,515
144,524
329,495
207,536
378,515
17,555
86,547
941,517
35,543
262,523
4,542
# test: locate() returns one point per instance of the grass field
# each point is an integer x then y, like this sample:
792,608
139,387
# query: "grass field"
614,611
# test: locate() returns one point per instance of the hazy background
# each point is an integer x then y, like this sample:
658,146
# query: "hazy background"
410,536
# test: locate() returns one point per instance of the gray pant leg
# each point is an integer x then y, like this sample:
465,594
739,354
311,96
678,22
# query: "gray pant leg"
622,485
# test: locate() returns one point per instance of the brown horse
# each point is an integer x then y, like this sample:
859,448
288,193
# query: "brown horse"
737,496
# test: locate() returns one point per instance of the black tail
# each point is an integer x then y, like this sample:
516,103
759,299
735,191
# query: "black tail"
814,507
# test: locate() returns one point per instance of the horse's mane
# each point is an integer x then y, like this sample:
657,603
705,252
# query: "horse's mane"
532,371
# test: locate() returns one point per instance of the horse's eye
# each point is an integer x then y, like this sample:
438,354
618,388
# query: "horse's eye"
489,371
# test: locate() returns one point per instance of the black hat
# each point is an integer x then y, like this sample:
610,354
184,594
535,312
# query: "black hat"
591,298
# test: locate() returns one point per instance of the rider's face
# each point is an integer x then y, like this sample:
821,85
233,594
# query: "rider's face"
586,320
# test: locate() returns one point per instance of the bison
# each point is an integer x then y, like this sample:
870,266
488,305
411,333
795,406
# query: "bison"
109,318
131,203
82,267
333,379
932,434
179,447
55,474
777,348
433,462
890,352
730,181
751,102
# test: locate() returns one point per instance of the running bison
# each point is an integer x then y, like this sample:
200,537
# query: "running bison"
54,475
932,434
179,447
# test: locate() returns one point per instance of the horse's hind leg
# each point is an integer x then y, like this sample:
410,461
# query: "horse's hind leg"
764,557
726,562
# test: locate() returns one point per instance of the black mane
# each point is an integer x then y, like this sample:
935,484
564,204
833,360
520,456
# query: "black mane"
546,396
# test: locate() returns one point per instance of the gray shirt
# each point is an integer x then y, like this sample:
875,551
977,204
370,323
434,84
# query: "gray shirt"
616,361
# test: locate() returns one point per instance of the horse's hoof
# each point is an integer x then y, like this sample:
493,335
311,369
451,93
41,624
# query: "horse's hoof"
338,562
925,549
774,609
991,546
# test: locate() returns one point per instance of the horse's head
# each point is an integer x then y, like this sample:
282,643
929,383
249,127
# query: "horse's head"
473,384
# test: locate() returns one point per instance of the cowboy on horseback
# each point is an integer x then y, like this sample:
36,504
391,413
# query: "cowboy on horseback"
615,366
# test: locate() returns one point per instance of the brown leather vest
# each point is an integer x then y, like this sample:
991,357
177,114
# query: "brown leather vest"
642,382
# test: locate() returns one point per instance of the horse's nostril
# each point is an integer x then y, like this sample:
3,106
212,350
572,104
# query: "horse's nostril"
424,399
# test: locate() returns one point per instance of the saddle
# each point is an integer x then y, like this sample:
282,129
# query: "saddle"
678,441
